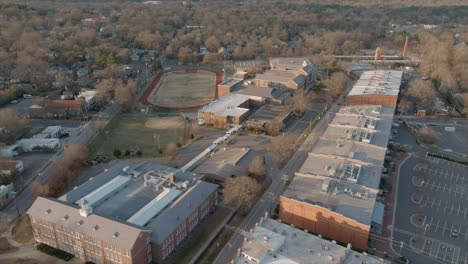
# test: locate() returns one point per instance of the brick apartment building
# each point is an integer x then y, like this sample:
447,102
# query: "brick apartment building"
132,213
58,109
288,73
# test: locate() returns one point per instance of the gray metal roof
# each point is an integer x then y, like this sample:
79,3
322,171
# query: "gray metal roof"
97,226
174,215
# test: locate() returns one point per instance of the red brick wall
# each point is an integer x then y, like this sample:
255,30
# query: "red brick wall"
372,99
324,222
223,90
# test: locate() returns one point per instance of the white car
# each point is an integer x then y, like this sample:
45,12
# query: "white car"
14,102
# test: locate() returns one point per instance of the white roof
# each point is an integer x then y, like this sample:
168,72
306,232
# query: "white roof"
378,82
38,141
154,207
274,242
103,191
227,105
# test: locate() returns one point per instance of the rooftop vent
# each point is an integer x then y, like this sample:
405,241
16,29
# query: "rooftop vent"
116,234
95,228
79,223
48,211
65,217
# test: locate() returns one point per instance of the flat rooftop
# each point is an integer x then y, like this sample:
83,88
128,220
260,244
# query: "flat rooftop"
380,82
335,167
261,91
270,112
274,78
231,82
224,162
288,63
368,153
348,199
347,160
227,105
275,242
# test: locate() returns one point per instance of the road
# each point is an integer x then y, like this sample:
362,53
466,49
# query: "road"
83,135
280,179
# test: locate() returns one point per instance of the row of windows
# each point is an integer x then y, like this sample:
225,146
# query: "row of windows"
113,257
166,251
49,241
180,228
66,248
111,247
47,232
93,250
63,238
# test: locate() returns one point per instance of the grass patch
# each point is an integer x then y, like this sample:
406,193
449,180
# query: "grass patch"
200,236
185,89
54,252
6,247
216,246
22,230
135,133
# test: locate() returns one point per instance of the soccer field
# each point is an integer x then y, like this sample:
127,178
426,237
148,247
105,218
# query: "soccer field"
184,89
138,133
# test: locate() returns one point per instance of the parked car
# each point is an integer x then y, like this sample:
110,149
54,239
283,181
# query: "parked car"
14,102
454,233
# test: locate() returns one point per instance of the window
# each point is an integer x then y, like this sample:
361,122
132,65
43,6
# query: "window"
127,252
150,258
77,235
149,249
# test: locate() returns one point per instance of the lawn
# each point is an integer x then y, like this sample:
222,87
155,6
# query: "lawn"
22,230
6,247
200,236
185,89
138,133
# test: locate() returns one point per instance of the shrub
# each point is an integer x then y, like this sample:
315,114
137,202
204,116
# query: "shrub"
179,144
117,153
54,252
138,153
127,153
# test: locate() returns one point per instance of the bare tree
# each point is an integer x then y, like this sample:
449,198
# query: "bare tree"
124,95
336,84
301,101
241,192
282,148
66,169
212,43
428,135
257,166
405,106
12,124
171,150
423,92
274,127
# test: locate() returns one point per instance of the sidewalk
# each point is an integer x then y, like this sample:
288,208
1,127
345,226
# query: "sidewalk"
382,245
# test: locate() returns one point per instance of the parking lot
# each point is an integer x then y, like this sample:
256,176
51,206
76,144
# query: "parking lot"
431,218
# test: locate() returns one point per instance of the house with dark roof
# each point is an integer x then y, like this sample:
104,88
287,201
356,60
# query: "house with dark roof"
64,108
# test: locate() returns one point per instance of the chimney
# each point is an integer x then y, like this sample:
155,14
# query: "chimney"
378,54
405,48
172,177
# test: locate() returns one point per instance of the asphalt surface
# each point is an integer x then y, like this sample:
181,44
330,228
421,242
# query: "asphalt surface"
280,180
431,217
